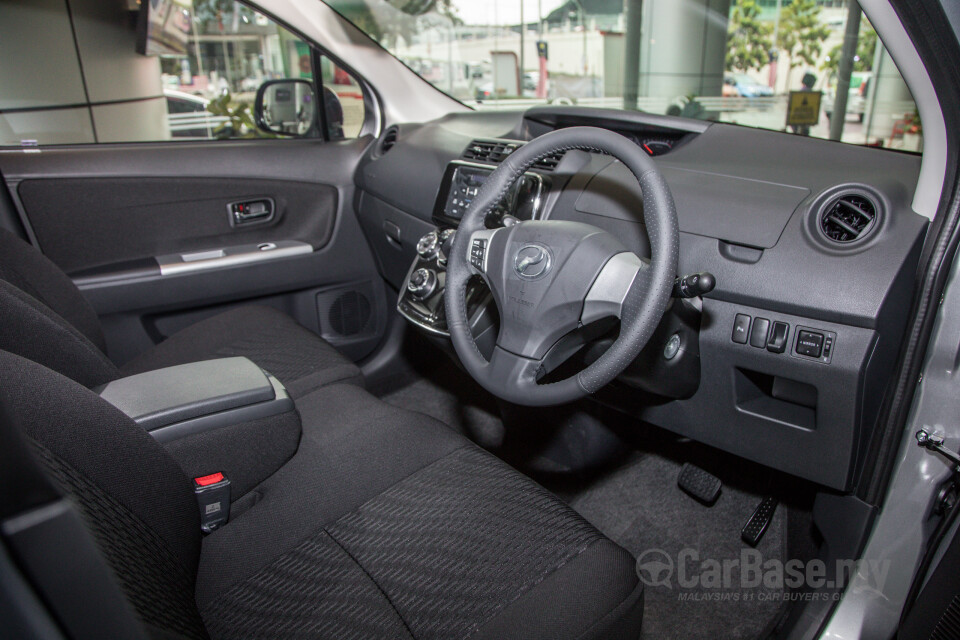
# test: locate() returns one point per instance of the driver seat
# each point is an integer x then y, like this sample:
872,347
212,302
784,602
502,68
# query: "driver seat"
384,524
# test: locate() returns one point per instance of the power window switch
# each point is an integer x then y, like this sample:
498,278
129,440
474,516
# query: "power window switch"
777,342
741,328
758,334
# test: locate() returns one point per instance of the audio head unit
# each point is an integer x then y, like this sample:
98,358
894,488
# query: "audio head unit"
462,182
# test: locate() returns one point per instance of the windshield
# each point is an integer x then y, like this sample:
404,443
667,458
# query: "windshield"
772,64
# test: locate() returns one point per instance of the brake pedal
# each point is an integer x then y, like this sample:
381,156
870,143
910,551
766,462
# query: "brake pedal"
759,522
699,484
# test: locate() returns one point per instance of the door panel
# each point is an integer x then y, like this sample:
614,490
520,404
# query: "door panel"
103,213
125,219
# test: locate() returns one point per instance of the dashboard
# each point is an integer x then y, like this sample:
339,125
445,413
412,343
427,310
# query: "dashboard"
813,245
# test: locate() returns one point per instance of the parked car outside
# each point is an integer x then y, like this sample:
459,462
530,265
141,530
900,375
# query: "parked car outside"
746,87
188,117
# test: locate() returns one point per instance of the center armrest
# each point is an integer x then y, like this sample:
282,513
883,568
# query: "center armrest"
225,415
174,402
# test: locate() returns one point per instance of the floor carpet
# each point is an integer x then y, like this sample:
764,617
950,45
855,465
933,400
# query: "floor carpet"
639,506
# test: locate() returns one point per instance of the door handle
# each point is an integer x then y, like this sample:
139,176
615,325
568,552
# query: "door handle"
254,211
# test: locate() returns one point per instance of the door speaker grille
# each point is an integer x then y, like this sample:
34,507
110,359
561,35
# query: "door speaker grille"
350,314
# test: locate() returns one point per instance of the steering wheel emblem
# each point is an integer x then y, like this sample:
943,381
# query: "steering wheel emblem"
532,261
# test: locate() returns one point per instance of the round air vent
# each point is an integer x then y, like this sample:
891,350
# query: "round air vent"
388,139
849,217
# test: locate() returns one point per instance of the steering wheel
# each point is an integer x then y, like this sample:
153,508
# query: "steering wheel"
549,278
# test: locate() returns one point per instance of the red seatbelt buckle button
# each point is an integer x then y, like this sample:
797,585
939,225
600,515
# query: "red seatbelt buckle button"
206,481
213,498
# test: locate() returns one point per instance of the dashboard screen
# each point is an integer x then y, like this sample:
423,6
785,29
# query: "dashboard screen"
462,182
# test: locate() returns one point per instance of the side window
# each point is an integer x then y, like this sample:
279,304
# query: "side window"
185,71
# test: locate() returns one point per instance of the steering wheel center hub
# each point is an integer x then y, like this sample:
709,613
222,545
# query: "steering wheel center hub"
533,261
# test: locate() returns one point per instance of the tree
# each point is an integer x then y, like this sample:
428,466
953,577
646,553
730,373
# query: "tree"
866,49
387,21
748,39
801,34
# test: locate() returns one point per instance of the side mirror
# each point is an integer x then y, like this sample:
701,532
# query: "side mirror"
286,107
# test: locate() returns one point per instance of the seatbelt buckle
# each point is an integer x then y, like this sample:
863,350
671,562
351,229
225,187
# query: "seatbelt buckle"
213,498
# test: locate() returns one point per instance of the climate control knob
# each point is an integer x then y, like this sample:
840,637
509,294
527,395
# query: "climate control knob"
422,284
429,245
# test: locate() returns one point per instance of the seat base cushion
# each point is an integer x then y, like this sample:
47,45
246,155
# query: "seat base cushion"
387,524
299,358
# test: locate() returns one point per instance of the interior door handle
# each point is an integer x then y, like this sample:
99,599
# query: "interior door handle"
251,211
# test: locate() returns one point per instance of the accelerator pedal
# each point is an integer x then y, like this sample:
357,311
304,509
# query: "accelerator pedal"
759,522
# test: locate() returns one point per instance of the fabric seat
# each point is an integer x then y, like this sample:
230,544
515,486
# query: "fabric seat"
45,318
385,524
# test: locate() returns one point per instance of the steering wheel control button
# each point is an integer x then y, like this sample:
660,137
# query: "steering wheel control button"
422,283
532,261
478,251
429,245
672,348
758,334
809,343
741,328
777,341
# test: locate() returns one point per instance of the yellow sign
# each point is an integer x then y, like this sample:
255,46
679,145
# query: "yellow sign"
804,108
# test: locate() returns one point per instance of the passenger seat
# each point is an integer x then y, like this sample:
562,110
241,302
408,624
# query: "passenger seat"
45,318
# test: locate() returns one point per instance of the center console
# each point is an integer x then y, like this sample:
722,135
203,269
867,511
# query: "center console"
421,296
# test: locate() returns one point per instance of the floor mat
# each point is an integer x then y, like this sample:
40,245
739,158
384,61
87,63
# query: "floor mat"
640,507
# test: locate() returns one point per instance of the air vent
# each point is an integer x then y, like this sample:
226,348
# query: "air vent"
388,139
848,218
495,152
549,163
489,151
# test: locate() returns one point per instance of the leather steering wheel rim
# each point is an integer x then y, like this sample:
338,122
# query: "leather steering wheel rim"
642,307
